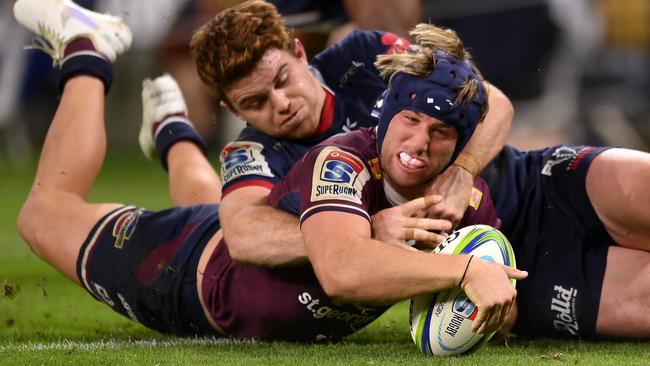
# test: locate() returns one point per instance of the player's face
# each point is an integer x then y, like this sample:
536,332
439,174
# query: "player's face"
416,148
280,97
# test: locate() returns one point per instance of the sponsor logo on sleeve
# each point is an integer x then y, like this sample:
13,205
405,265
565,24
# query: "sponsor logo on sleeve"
338,175
375,167
243,158
353,69
125,226
475,198
574,155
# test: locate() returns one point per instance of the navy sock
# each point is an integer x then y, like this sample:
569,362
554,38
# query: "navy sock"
172,132
80,58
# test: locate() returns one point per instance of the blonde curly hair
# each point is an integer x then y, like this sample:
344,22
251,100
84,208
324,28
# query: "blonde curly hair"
420,59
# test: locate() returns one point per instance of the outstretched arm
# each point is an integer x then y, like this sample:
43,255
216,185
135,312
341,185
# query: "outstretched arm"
455,183
353,267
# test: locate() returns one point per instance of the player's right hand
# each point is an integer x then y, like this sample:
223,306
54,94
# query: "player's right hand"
488,286
405,223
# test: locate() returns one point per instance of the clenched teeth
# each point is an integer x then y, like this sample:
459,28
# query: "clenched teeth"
409,161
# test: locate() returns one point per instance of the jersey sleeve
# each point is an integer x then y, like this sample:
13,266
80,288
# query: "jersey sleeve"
247,163
359,45
336,180
327,178
481,209
348,65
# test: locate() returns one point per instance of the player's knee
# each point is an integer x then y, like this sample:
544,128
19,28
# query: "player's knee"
30,221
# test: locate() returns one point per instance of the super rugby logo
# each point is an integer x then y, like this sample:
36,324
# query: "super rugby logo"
125,226
235,155
243,158
340,167
338,175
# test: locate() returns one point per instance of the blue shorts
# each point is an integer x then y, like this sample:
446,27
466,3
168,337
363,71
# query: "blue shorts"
143,265
557,237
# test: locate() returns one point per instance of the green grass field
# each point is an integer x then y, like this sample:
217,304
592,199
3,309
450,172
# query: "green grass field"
45,319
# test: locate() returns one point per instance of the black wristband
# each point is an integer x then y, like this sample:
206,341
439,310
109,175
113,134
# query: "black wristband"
460,284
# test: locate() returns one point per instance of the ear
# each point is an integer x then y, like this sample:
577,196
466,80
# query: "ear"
299,50
230,109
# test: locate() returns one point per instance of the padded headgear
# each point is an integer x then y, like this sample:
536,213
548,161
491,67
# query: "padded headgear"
435,96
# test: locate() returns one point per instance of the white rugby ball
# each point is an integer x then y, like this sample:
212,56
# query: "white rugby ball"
441,323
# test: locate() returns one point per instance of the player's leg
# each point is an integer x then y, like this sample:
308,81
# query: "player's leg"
55,218
617,186
167,132
625,297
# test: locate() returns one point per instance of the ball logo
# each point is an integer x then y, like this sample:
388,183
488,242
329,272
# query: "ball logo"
464,307
442,324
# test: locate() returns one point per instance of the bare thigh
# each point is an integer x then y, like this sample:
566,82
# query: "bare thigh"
56,224
625,298
618,186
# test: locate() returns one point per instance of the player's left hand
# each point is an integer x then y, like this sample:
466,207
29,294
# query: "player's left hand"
455,186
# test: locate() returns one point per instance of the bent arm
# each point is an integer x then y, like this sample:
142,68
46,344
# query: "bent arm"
257,233
491,134
455,183
353,267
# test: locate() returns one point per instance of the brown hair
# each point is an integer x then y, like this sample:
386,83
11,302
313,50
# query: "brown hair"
419,59
229,46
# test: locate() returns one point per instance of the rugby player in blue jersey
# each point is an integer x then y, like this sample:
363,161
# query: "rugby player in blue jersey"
247,59
578,220
171,270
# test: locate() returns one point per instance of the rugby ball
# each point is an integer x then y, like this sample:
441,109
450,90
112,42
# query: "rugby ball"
441,323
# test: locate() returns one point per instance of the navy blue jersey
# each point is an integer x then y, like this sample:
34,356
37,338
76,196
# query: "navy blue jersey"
541,198
352,85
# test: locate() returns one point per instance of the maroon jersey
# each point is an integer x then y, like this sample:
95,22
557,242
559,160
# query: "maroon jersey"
286,303
289,303
343,174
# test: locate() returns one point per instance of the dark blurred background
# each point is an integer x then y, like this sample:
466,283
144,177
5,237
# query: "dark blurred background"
578,71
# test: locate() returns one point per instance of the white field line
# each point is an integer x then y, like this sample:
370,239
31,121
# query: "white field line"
66,345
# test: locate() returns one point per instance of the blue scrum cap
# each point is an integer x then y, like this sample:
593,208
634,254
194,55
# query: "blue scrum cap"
435,96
